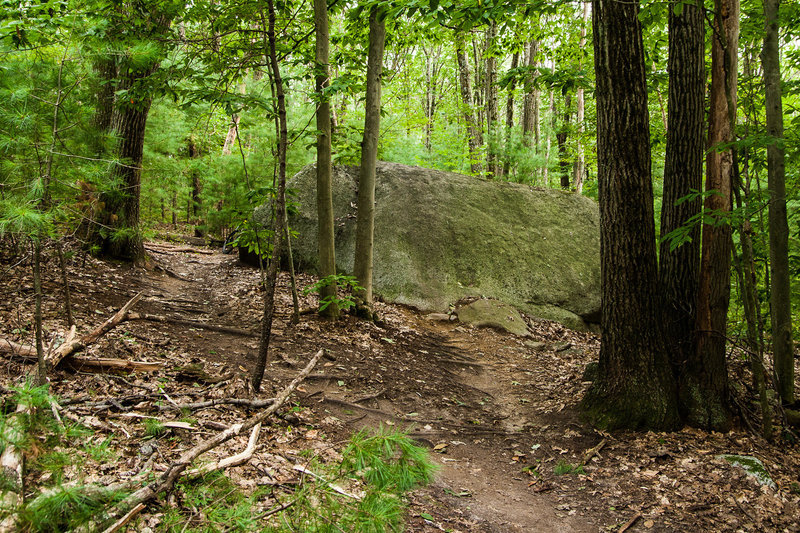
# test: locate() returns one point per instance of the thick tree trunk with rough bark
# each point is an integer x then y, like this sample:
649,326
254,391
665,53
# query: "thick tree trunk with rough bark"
683,173
105,66
124,239
704,380
118,233
473,133
635,387
325,233
365,220
780,288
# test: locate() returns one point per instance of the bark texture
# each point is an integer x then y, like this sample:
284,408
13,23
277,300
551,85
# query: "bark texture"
365,220
704,379
325,233
493,167
780,287
635,387
704,382
683,173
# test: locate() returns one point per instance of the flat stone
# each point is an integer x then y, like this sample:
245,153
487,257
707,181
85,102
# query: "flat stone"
536,345
494,314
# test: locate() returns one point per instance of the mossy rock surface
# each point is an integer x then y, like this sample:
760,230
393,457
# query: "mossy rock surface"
753,466
440,237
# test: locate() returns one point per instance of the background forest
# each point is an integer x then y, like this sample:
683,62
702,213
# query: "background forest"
501,90
126,120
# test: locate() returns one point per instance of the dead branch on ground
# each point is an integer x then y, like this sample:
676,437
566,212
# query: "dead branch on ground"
178,467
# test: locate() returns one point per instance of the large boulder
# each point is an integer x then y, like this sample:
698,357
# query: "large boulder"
440,237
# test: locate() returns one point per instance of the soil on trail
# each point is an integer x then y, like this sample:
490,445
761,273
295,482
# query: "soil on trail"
498,412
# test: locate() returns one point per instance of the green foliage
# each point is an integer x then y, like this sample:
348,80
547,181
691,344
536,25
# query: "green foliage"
563,467
224,507
385,465
344,299
363,493
153,427
66,508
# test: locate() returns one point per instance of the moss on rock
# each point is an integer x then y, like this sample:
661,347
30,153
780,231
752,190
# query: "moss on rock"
441,236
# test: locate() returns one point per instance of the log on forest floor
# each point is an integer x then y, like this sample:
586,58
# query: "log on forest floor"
12,457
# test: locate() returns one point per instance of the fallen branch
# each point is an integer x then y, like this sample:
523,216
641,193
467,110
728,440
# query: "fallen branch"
104,364
177,468
233,460
253,404
592,452
629,523
122,522
192,323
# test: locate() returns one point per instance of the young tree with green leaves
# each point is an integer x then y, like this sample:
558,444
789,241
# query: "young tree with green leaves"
365,221
325,237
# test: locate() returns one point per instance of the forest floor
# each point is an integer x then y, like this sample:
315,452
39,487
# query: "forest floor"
498,412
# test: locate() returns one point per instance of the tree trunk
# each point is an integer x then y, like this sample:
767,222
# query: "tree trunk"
365,220
105,66
510,116
704,381
41,375
749,284
473,133
197,199
530,102
683,173
780,288
579,169
433,68
119,234
280,207
122,206
233,129
325,236
561,138
635,387
492,166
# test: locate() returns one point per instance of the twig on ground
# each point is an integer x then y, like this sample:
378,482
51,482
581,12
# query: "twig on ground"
592,452
177,468
629,523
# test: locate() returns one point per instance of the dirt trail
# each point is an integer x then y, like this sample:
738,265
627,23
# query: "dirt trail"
455,381
497,411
